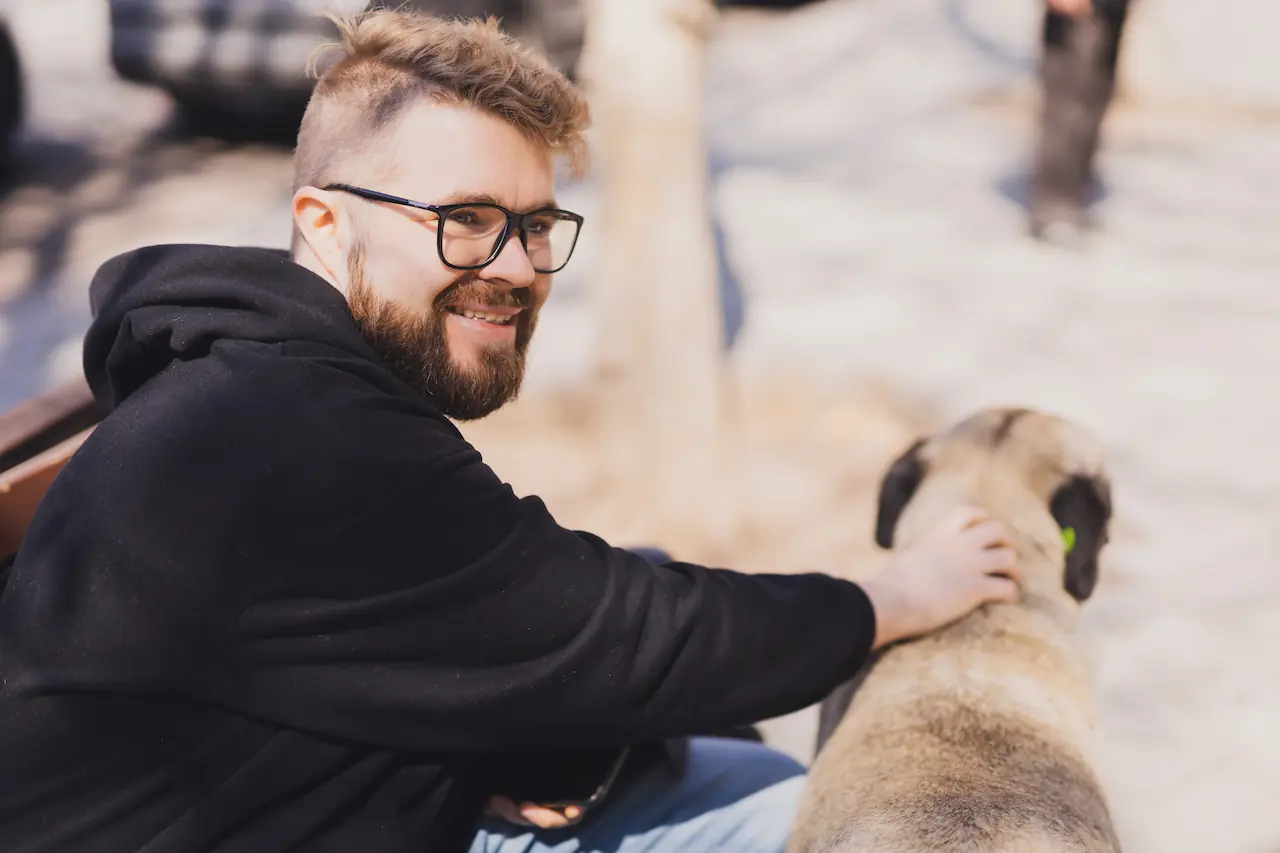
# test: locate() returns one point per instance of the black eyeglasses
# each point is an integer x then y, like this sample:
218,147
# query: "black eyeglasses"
471,235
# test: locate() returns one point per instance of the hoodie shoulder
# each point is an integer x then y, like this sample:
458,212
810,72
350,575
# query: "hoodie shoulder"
244,372
160,304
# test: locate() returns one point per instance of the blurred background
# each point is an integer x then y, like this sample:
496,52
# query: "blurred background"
879,270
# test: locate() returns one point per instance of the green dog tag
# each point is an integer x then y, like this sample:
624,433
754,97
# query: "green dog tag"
1068,539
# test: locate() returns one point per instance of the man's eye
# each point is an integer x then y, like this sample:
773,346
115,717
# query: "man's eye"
541,226
463,217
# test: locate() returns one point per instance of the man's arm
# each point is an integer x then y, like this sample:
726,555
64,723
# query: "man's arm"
281,541
548,637
451,615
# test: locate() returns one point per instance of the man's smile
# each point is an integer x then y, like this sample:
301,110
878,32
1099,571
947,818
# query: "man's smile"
485,323
492,314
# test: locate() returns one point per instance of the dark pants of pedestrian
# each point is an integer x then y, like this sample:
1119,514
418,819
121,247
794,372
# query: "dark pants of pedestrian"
1078,74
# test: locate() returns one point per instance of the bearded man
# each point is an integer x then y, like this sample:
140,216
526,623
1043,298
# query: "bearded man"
276,602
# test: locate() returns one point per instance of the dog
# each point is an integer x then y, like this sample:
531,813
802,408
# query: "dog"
978,737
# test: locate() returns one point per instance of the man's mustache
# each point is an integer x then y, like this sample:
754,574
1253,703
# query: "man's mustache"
475,291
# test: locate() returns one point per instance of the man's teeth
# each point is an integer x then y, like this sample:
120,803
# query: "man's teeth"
499,319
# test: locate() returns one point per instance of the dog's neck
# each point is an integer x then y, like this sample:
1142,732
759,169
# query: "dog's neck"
1040,630
1041,559
997,655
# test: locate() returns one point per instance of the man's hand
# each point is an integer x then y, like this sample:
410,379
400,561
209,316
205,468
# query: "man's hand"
530,814
1073,8
964,562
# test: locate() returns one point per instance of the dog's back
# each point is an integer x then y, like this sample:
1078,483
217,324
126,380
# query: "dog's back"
947,747
978,737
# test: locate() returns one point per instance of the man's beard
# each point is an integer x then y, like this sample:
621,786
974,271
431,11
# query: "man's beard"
416,349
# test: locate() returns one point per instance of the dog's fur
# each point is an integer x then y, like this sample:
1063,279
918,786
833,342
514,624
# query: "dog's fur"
978,738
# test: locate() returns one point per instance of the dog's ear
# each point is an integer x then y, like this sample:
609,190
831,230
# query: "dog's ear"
896,488
1082,504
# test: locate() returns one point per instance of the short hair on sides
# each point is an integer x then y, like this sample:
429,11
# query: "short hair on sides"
388,60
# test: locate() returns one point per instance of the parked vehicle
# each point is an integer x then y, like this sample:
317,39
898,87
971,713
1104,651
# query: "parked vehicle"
230,60
11,92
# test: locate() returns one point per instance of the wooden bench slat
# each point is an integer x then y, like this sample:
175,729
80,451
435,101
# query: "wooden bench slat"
35,424
22,487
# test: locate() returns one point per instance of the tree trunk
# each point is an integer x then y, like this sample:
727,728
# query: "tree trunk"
658,328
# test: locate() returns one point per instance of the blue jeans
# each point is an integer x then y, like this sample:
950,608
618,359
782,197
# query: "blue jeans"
735,796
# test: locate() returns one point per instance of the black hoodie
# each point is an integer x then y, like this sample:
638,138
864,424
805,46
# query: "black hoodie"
276,602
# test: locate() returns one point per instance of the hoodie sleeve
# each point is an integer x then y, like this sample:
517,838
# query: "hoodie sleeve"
432,609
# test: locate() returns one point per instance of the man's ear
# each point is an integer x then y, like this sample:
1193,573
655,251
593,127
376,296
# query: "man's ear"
1082,504
317,226
896,488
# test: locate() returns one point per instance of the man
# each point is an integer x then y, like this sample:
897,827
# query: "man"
277,603
1081,40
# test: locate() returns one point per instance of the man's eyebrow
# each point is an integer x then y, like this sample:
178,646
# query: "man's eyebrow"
486,198
470,198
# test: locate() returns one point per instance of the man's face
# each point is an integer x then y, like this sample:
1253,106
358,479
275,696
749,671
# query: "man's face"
458,337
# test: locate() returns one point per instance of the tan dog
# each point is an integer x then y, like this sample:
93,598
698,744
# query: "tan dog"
979,737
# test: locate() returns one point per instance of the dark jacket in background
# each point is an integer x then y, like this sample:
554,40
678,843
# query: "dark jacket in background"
277,602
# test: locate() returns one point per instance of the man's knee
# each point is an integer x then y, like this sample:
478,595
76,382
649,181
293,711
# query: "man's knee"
756,783
749,764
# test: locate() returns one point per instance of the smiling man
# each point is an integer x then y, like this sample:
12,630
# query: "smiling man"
454,326
277,603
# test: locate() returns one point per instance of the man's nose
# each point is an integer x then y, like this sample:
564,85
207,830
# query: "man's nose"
512,264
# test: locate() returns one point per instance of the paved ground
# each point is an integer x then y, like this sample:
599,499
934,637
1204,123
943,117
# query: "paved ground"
867,158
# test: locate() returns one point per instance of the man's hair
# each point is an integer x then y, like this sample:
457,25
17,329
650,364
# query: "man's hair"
389,60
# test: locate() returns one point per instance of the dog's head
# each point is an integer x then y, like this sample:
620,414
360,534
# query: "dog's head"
1032,470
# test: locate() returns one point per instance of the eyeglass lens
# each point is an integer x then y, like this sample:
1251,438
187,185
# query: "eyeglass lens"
469,235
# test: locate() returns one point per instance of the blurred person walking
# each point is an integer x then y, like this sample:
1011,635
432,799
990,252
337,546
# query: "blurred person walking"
1081,48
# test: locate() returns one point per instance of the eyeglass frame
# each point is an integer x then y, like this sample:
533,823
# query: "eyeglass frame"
514,220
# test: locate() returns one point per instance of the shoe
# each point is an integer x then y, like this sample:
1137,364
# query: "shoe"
1059,224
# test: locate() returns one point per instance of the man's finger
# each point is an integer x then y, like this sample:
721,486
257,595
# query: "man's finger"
964,517
989,534
1003,561
999,589
545,818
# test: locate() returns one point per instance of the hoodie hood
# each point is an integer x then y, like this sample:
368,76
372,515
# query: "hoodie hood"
160,304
